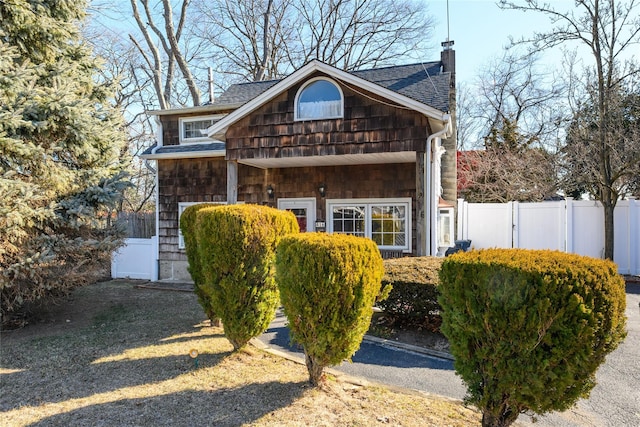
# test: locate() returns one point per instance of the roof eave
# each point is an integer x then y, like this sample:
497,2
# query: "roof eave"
184,155
210,108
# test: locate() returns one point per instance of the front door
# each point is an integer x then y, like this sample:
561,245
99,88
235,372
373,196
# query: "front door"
304,210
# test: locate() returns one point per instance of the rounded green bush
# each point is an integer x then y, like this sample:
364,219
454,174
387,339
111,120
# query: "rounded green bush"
188,228
236,247
328,285
528,329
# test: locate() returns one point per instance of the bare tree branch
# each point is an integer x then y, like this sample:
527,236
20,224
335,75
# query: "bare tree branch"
609,29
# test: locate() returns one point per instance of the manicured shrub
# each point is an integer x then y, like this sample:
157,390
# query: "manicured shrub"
413,296
328,284
528,329
188,228
236,250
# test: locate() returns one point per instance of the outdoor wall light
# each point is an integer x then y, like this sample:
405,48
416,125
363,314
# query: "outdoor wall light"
322,189
270,191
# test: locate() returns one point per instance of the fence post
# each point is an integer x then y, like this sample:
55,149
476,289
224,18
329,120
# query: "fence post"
154,259
460,220
568,224
514,207
634,237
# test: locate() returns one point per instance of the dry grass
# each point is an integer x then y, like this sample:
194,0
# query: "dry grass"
117,355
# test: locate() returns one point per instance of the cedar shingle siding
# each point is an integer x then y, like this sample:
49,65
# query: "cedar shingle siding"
205,180
185,180
367,127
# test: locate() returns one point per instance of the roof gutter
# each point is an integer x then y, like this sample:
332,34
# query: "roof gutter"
183,154
208,108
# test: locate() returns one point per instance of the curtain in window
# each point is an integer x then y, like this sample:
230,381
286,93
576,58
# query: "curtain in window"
319,109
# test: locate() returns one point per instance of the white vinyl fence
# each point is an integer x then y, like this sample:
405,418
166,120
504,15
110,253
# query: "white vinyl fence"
575,226
136,260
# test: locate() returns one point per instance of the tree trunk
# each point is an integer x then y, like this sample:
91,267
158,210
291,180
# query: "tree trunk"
503,420
237,344
315,370
177,54
608,229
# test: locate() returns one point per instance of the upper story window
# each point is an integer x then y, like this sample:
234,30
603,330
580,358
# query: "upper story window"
191,128
319,99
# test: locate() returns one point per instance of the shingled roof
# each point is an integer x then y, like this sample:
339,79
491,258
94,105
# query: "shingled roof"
187,150
423,82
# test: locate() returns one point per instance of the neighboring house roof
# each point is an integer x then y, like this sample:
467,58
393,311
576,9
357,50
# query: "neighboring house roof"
184,151
466,163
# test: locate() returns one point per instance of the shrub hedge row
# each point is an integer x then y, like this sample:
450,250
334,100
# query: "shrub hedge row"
410,285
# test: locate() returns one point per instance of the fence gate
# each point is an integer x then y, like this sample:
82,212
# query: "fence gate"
136,260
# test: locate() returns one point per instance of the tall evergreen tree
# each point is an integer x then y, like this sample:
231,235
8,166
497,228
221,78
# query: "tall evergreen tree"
60,138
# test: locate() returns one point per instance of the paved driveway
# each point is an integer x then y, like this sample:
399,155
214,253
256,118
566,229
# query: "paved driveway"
615,401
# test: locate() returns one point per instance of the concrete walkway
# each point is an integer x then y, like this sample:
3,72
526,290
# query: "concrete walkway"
615,401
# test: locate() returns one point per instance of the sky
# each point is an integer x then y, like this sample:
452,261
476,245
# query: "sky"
480,30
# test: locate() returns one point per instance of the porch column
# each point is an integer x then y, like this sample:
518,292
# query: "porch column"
421,213
232,182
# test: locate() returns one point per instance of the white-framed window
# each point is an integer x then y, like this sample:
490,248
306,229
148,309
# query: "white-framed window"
386,221
191,128
303,208
181,207
318,99
445,227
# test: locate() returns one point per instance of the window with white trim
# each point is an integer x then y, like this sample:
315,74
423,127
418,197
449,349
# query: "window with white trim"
386,221
319,99
191,128
181,207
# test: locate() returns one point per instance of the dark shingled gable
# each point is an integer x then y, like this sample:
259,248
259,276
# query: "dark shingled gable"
423,82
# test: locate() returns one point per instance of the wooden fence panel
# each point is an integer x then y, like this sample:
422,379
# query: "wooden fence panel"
139,225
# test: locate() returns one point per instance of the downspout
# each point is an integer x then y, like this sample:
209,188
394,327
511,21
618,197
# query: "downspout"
159,135
431,199
159,143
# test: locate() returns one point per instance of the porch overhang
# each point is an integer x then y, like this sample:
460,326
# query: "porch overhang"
332,160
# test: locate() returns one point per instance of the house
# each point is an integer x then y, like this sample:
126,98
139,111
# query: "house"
348,152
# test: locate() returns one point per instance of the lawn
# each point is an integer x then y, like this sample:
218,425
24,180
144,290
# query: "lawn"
113,354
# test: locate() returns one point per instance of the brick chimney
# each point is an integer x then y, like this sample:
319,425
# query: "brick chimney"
448,60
